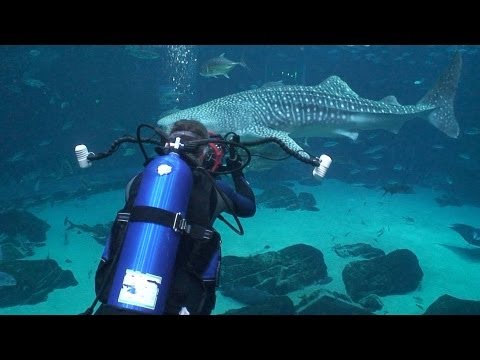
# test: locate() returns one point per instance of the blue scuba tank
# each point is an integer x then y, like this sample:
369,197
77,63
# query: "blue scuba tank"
146,263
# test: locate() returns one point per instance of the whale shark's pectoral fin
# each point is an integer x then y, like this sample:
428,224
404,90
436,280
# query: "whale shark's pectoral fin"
265,132
352,135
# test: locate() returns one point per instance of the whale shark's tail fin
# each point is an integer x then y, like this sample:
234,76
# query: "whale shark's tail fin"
441,96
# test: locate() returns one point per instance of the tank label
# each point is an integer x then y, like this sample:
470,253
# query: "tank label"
164,169
140,289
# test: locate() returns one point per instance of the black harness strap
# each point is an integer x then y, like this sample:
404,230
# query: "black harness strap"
167,218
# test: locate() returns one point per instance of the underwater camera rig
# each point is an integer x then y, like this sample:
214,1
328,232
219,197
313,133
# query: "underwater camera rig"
143,268
85,158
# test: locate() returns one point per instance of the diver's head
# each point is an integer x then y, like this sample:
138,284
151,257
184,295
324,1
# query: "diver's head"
210,155
190,130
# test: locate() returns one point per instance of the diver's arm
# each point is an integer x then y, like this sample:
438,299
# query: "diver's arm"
242,188
242,197
132,187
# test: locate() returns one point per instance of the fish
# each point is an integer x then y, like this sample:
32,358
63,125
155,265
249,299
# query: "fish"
272,83
99,232
397,189
329,109
148,52
219,66
469,254
469,233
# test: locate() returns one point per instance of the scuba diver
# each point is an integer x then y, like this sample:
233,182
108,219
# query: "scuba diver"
163,255
192,291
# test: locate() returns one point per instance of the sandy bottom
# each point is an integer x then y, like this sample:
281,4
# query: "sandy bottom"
348,214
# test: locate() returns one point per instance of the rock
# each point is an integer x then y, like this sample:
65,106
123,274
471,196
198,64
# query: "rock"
363,250
324,302
20,233
371,302
277,273
33,281
22,223
449,305
394,274
278,197
307,202
246,294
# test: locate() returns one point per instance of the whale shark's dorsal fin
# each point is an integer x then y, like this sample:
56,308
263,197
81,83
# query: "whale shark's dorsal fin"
390,99
336,86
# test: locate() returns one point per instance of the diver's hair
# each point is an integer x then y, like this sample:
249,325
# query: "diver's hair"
193,126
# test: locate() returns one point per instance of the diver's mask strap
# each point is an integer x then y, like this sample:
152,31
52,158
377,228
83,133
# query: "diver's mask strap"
183,134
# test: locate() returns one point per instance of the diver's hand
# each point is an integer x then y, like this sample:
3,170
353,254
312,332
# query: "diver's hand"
234,164
232,150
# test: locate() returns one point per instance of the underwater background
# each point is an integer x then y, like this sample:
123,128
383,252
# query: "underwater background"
384,195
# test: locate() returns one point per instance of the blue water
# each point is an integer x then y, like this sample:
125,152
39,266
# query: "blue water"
55,97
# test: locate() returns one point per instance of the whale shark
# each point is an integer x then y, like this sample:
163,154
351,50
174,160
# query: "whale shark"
329,109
